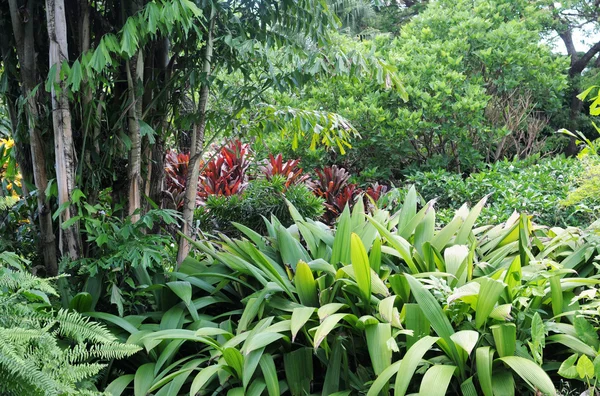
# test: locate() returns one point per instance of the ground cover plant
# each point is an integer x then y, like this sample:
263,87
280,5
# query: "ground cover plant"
537,186
380,303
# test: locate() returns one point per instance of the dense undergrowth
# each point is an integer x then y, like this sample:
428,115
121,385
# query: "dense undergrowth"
382,302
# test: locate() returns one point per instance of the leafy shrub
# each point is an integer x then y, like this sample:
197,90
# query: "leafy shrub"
176,169
263,197
310,309
535,186
123,254
288,169
226,173
46,352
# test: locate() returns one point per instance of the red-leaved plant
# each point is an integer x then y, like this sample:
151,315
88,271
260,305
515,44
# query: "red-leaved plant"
288,169
226,173
332,185
176,169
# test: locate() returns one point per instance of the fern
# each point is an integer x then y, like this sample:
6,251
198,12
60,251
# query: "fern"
43,351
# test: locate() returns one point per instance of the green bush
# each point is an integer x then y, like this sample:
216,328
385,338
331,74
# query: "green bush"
263,197
377,304
534,186
47,352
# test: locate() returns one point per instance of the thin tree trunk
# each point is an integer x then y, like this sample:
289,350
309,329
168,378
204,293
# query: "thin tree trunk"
135,70
70,243
191,185
23,32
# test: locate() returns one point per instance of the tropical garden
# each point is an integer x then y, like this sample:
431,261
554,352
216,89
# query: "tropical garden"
299,197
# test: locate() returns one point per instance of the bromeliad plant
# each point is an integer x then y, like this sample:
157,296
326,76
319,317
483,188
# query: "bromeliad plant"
382,303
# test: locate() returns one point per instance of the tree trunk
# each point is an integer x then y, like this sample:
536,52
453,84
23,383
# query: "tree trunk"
70,244
191,185
157,175
135,70
23,32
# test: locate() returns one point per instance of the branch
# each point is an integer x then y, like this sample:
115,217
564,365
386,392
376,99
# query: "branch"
581,63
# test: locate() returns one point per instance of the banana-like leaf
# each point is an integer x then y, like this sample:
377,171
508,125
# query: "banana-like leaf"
329,309
443,237
533,374
424,231
436,380
389,312
409,364
118,386
557,295
261,340
466,339
503,383
409,209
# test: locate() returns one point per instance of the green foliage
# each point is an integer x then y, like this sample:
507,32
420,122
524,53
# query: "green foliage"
124,253
534,186
47,352
262,197
310,308
460,62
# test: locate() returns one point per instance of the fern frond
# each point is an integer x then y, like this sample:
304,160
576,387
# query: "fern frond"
80,328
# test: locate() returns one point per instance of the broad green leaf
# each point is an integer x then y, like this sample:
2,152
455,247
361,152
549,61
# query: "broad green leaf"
361,266
557,295
456,258
341,244
586,332
436,380
573,343
389,312
269,371
118,386
306,287
299,371
182,289
375,256
383,379
328,324
299,318
466,339
144,377
203,377
568,369
397,242
505,338
235,360
377,336
585,367
533,374
424,231
416,321
329,309
489,293
484,359
409,364
261,340
331,383
465,230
